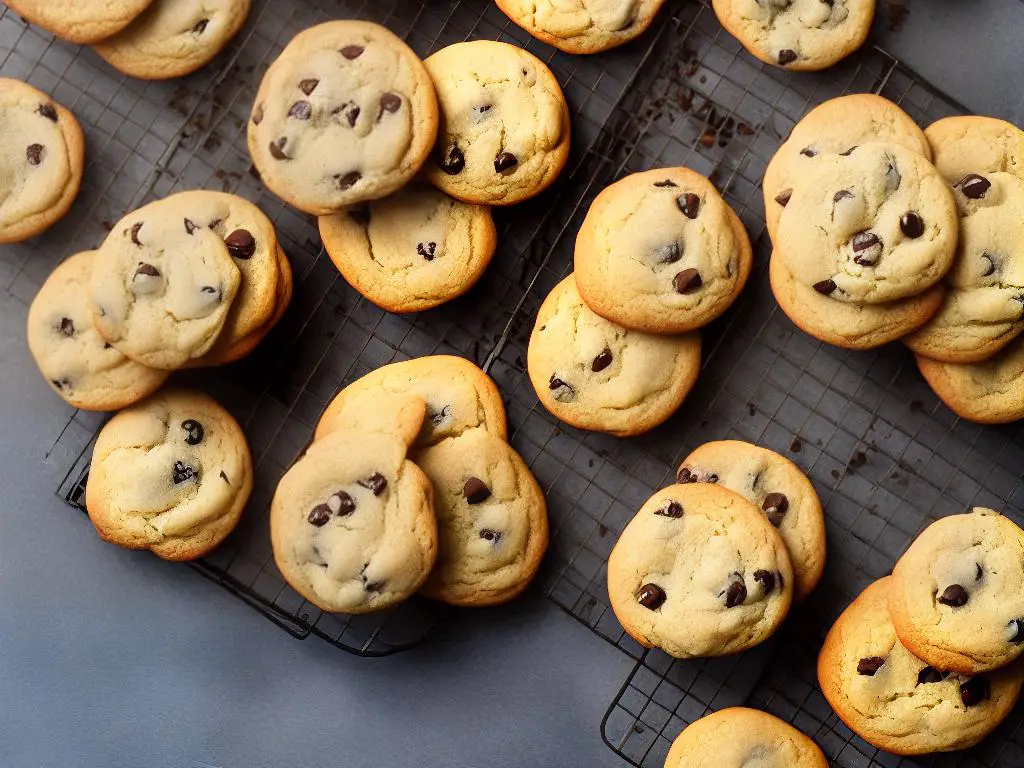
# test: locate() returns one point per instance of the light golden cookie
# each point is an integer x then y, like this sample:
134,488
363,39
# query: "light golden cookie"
80,21
583,26
987,392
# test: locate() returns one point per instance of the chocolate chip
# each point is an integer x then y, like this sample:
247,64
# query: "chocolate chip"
194,431
301,110
183,472
665,183
848,152
991,264
309,85
911,224
787,56
375,483
1015,631
775,506
257,114
426,250
973,186
389,102
277,148
147,270
61,383
651,596
504,161
488,535
736,592
482,109
689,204
475,491
342,503
190,226
842,194
135,233
825,287
319,515
241,244
784,197
977,572
602,361
668,254
348,180
809,152
929,675
870,665
352,51
687,281
974,691
954,595
350,110
48,111
564,393
224,477
34,153
453,161
67,327
673,509
200,26
685,475
867,248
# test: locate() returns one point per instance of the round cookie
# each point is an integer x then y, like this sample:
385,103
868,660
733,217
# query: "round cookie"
173,38
779,488
504,133
956,597
352,523
801,35
895,701
832,127
873,225
699,572
661,252
79,21
42,153
594,374
583,26
983,309
170,474
71,355
966,144
987,392
853,326
491,517
413,250
346,113
738,737
162,286
459,397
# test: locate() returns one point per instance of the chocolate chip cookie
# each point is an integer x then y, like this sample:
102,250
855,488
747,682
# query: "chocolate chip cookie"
42,152
80,366
779,488
595,374
413,250
79,21
966,144
170,474
346,113
491,517
955,596
352,523
737,737
504,133
583,26
987,392
897,702
661,252
700,572
797,34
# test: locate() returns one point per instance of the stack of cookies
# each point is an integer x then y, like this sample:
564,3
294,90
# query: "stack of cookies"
615,346
710,566
927,660
409,485
195,279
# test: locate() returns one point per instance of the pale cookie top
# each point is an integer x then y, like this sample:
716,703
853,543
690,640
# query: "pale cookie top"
957,594
987,392
776,485
798,34
738,737
661,252
973,144
872,225
894,700
984,306
458,395
582,26
346,113
80,21
162,285
80,366
700,572
41,158
491,518
595,374
352,523
504,133
413,250
832,127
170,474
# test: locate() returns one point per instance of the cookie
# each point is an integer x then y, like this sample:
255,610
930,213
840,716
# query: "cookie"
737,737
173,38
346,113
583,26
79,21
782,491
170,474
833,127
459,397
80,366
491,518
966,144
352,523
983,309
895,701
661,252
801,35
853,326
594,374
987,392
873,225
42,153
413,250
700,572
956,597
504,133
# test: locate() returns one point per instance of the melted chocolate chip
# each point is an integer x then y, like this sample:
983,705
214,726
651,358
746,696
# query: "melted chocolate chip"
34,153
870,665
350,111
48,111
991,267
319,515
375,483
453,161
482,109
257,115
309,85
190,226
135,233
911,224
929,675
342,503
787,56
784,197
766,579
194,431
352,51
689,204
685,475
277,148
348,180
564,393
673,509
848,152
67,327
147,270
954,596
183,472
488,535
809,152
389,102
651,596
301,110
1015,631
602,361
426,250
241,244
825,287
504,161
224,477
665,183
973,186
977,572
475,491
842,194
736,592
775,506
867,248
687,281
974,691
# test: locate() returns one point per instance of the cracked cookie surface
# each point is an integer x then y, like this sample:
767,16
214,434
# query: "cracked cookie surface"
80,21
582,26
